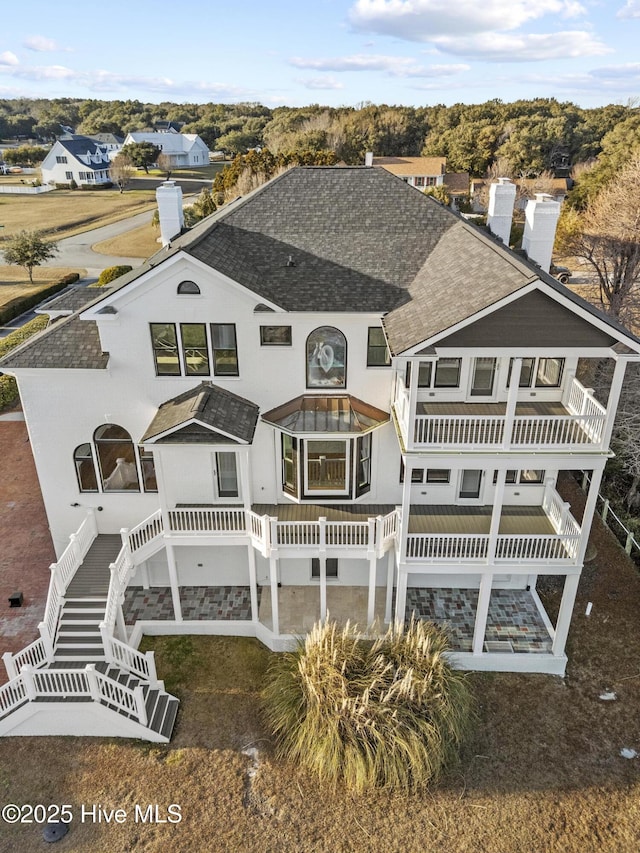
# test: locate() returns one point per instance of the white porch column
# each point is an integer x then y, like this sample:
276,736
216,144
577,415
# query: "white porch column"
512,400
496,514
565,613
144,574
253,582
388,615
613,398
245,480
322,554
401,595
273,577
121,627
406,510
587,516
482,611
413,402
173,580
375,525
162,490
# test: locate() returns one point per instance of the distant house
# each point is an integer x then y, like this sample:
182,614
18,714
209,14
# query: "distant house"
76,158
183,149
112,142
423,172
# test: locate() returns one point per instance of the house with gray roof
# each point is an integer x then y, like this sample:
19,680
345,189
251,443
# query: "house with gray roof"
333,396
77,158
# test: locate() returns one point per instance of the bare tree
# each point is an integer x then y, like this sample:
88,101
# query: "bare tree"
607,237
165,163
121,170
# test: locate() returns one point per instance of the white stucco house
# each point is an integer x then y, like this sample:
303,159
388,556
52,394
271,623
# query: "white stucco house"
184,149
332,396
76,158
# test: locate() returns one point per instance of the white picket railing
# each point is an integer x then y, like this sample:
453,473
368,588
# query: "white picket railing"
196,520
474,548
145,532
12,695
536,548
298,533
348,534
126,657
447,547
34,655
582,425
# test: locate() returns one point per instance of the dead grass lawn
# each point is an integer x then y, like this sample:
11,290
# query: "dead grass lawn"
139,243
14,281
63,213
542,774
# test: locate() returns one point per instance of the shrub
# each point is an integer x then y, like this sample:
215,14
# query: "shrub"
111,273
20,304
8,391
390,713
70,278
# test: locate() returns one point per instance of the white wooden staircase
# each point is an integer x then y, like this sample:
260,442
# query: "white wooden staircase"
79,678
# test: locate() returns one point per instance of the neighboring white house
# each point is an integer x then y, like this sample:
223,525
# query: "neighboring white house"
333,396
76,158
184,149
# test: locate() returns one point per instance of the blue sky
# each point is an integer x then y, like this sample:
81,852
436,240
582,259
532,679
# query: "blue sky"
334,52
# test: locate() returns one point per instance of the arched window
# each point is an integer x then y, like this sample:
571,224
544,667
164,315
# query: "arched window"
85,469
116,459
326,358
189,287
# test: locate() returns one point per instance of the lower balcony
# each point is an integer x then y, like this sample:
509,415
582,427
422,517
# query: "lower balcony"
461,534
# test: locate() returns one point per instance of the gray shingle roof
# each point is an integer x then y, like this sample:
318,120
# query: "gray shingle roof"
338,239
209,405
78,146
72,299
71,344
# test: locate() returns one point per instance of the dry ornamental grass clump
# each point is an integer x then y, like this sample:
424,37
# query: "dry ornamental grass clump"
389,713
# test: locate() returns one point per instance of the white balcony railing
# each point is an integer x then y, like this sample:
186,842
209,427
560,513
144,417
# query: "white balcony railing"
581,427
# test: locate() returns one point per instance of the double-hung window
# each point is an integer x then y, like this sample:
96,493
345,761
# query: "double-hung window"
443,373
194,349
377,350
225,349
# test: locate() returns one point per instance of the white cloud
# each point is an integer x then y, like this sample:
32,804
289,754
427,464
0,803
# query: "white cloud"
8,58
107,81
423,20
514,47
396,66
41,44
320,83
631,9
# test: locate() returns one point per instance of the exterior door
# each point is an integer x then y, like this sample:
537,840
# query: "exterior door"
470,485
484,370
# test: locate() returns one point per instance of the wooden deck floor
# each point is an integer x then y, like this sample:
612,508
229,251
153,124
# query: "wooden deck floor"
422,519
531,407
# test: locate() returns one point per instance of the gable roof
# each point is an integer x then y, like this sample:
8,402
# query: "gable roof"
202,412
359,239
85,150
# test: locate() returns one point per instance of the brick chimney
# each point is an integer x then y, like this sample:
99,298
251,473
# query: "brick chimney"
541,218
169,198
502,196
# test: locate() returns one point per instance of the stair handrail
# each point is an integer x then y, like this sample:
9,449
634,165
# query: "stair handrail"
124,656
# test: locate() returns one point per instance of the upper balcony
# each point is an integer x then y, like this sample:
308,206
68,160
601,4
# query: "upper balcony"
576,421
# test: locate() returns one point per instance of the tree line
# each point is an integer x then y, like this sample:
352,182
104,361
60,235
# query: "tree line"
528,135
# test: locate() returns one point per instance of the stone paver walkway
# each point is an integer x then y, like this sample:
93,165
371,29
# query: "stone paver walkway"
197,602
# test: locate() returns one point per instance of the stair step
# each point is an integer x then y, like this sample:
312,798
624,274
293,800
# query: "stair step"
73,629
158,715
80,653
169,720
150,702
85,601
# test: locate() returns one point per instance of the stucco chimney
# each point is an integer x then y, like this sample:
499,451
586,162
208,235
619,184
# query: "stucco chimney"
169,198
541,218
368,158
502,196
